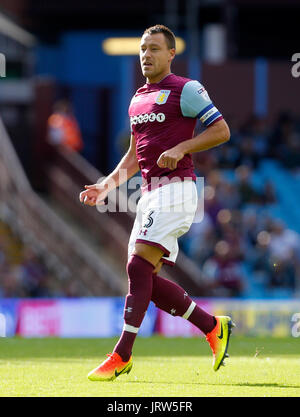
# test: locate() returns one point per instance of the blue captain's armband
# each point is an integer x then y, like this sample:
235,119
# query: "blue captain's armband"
195,102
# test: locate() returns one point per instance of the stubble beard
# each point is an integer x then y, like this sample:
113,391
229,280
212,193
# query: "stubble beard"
150,75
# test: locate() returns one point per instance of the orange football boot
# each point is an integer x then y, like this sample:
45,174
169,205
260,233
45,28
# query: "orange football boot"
111,368
218,340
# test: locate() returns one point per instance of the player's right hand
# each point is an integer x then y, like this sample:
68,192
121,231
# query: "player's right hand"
93,194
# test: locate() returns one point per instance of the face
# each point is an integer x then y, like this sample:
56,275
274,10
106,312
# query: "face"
155,57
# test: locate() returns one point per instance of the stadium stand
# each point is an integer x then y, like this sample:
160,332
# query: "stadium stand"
39,227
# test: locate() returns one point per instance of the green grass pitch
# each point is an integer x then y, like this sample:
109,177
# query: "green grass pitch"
181,367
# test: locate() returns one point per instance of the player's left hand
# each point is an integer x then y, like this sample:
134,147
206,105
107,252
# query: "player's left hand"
170,158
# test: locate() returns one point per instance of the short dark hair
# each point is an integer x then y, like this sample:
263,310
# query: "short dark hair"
168,34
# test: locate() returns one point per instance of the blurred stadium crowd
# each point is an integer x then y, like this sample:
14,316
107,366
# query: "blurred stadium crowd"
23,273
244,246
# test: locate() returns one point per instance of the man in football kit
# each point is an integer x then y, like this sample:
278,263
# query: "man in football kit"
163,115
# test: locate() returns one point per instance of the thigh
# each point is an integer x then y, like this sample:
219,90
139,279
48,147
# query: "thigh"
169,216
165,215
150,253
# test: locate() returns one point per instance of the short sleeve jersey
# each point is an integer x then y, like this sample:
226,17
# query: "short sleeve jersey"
161,116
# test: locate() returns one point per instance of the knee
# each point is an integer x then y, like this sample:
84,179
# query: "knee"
131,266
137,266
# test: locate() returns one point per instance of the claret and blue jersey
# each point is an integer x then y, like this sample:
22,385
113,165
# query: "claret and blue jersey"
164,114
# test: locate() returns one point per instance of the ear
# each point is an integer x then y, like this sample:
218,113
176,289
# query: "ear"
172,54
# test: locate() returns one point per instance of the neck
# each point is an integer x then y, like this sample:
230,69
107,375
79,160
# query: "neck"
158,78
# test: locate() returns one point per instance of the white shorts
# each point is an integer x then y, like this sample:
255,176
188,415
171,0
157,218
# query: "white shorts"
163,215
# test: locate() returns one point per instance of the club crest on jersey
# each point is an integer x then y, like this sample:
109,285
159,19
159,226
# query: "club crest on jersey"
162,96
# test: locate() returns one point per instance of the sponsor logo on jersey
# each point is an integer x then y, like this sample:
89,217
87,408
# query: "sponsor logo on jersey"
201,90
162,96
144,118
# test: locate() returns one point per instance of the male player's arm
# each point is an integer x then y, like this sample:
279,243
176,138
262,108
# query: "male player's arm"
213,136
96,193
195,102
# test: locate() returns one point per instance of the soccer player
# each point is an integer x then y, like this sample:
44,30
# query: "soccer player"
163,115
